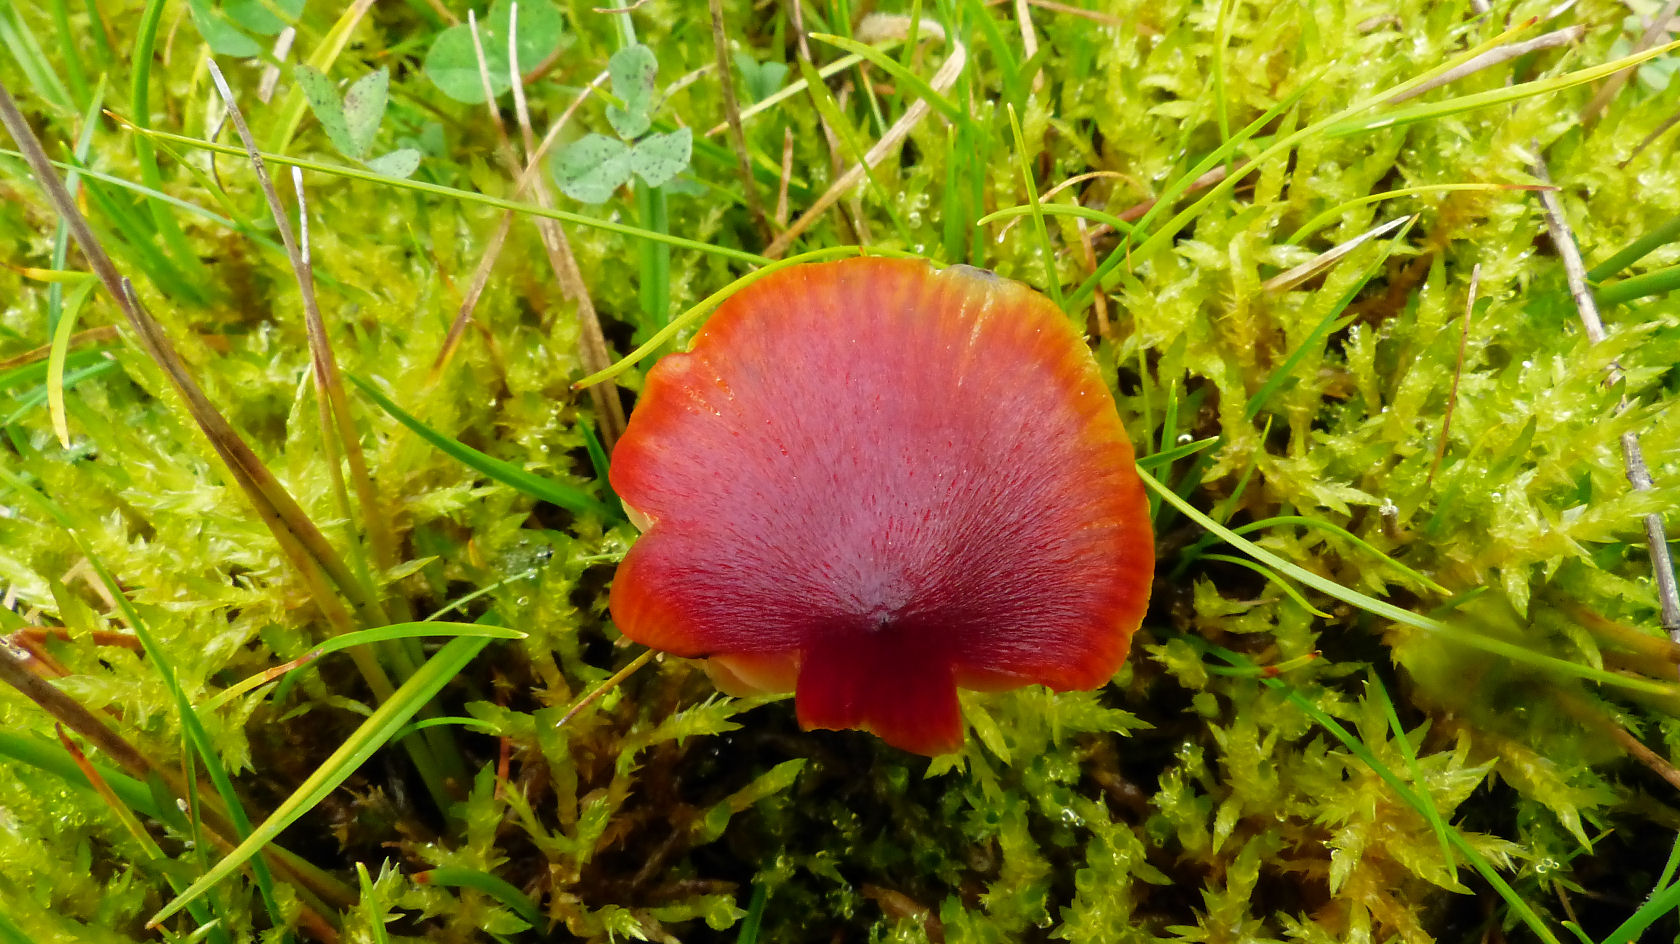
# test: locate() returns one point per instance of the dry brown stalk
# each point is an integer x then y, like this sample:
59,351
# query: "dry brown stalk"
97,335
1458,372
942,82
593,343
1653,32
1633,457
333,405
732,112
1493,57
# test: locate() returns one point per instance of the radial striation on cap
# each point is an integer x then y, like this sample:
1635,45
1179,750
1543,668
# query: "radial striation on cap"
876,481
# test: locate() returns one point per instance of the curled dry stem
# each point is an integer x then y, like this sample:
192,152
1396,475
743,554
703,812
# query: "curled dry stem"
1493,57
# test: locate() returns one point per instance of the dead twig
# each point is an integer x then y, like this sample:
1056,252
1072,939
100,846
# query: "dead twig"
97,335
1662,129
1633,457
787,174
296,534
234,452
942,82
593,347
1107,19
1458,372
1493,57
1592,717
1029,40
1295,276
332,404
1653,32
732,113
592,342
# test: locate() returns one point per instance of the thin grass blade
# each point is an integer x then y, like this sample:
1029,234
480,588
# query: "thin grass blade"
570,497
373,734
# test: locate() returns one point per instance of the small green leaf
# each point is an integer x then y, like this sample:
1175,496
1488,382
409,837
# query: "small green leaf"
258,16
223,38
760,80
364,105
329,110
659,157
452,65
400,163
592,168
685,185
632,69
452,62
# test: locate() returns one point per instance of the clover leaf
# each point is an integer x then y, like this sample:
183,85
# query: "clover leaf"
452,62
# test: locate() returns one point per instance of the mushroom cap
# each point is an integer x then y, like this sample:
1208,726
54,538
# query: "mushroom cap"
873,481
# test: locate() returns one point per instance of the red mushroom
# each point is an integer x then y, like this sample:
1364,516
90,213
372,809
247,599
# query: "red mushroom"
872,481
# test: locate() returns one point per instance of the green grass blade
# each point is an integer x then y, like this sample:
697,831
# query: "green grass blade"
192,729
753,923
1169,456
1664,234
705,305
655,257
53,759
141,189
1052,280
601,464
1663,903
569,497
462,721
72,180
466,196
1658,282
499,889
1394,613
1374,688
67,39
363,637
1321,220
373,734
1057,209
56,357
164,225
892,67
1325,326
1162,237
1357,748
1454,837
1498,96
1218,156
831,112
33,401
26,51
1351,538
1272,577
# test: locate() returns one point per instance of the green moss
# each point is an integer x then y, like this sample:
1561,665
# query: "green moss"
1188,801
